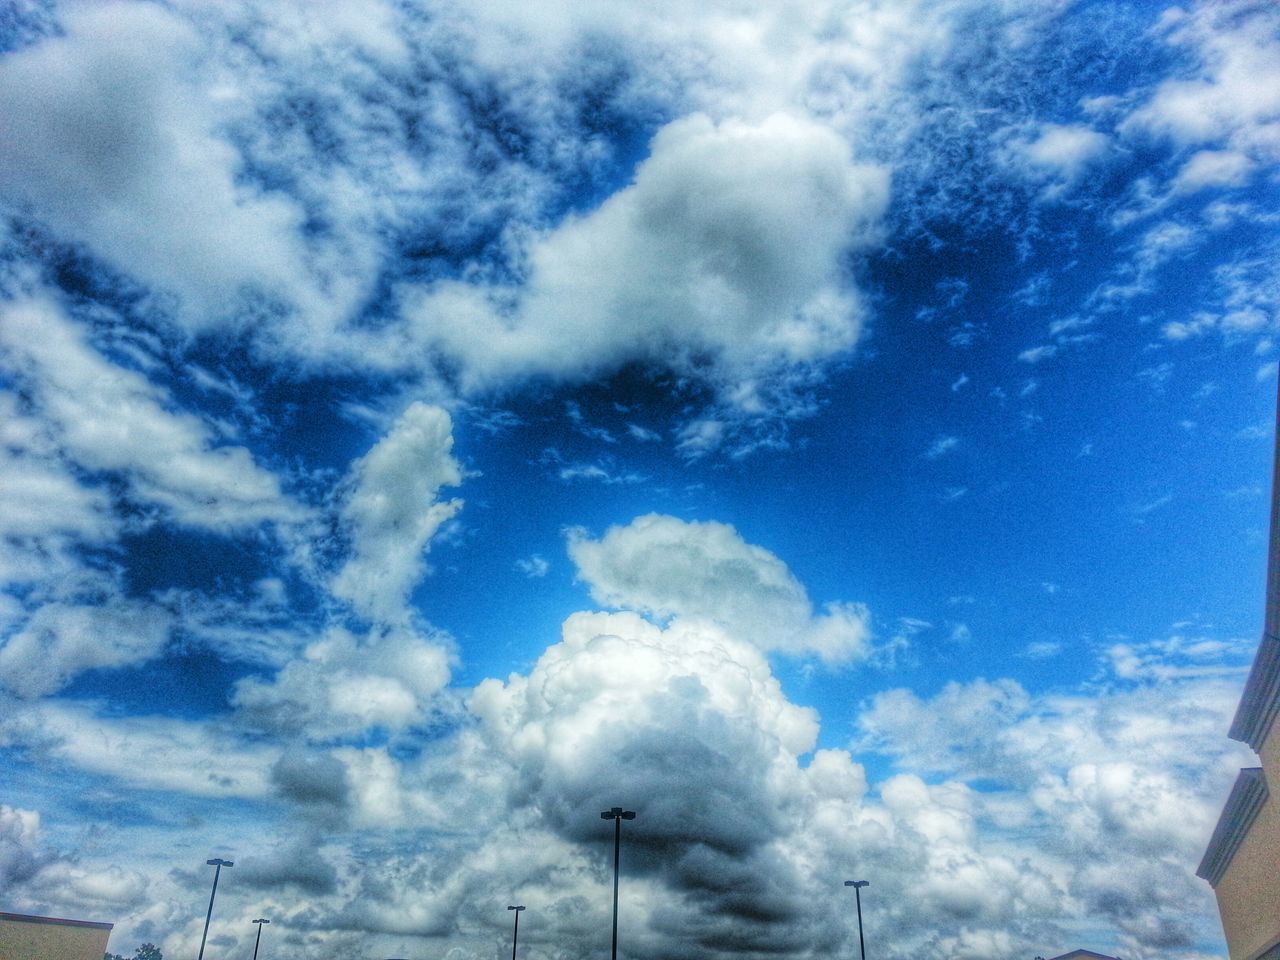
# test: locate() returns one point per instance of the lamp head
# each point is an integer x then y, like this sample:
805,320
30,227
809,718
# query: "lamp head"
261,921
215,862
617,813
516,909
858,884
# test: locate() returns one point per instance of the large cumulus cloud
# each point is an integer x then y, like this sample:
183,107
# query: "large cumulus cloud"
996,825
688,726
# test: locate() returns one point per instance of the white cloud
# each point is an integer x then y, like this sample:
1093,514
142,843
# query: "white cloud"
391,511
941,446
278,152
1185,329
342,686
1174,658
1005,802
60,641
111,143
1065,149
1212,168
667,567
701,436
90,450
1036,354
46,512
643,434
1042,649
574,704
741,225
533,566
1163,242
603,472
1088,773
1233,94
1155,248
105,417
161,753
1027,815
41,497
1222,103
20,853
727,248
685,725
109,887
1058,154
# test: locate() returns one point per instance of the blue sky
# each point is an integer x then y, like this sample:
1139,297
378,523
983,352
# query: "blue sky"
840,432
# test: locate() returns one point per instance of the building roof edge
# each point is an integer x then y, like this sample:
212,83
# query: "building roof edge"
1238,813
1260,702
59,921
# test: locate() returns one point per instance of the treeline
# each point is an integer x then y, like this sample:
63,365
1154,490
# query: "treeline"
148,951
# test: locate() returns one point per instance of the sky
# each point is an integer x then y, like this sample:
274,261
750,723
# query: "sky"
840,432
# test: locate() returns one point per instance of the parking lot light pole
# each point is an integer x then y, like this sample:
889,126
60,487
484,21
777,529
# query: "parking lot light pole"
617,815
217,872
259,922
857,895
515,934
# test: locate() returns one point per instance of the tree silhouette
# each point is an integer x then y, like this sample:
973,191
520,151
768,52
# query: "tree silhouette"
148,951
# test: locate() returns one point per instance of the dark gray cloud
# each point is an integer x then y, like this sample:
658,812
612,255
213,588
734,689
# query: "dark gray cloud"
311,780
301,865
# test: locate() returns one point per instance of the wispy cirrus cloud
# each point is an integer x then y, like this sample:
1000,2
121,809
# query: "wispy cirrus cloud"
108,419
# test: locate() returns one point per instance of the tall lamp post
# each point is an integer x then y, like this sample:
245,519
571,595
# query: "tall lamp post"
217,872
257,941
617,815
515,934
857,895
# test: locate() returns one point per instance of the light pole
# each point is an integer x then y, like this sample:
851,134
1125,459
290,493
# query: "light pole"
259,938
617,815
217,872
515,934
857,895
